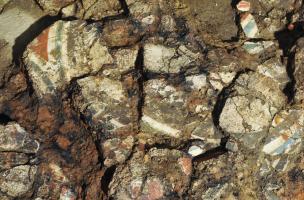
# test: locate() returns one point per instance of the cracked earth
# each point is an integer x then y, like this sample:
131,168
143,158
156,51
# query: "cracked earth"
151,99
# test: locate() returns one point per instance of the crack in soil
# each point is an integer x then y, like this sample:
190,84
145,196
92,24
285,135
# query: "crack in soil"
287,39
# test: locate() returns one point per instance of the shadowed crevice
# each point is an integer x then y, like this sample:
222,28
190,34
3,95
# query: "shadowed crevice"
30,34
287,39
4,119
125,7
139,70
213,153
107,178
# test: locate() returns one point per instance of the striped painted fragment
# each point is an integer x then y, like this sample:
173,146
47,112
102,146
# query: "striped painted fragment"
249,25
280,145
243,6
257,47
164,128
196,150
40,45
62,52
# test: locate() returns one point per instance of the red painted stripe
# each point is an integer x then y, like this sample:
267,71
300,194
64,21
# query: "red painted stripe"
41,45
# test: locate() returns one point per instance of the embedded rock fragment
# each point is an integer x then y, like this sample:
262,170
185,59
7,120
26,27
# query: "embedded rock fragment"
280,157
255,114
146,13
18,180
257,47
274,69
255,98
271,16
222,77
161,173
223,177
157,58
299,72
162,59
98,9
285,133
249,25
213,17
124,60
116,151
178,112
5,59
54,6
54,182
17,17
107,106
9,160
168,24
58,55
14,138
121,33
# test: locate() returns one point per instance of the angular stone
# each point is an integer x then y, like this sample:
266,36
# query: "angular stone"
64,51
117,150
178,112
70,10
158,174
146,13
124,63
264,87
54,6
67,194
14,138
274,69
162,59
214,17
256,99
11,159
168,24
271,15
285,133
255,114
299,71
222,178
222,77
15,18
18,180
5,59
107,105
121,33
18,16
257,47
157,58
98,9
